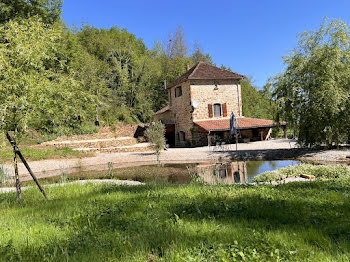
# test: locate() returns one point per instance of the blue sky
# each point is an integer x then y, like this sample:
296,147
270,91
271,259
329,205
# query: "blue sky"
249,36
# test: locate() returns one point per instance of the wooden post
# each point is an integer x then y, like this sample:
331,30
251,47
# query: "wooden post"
209,140
18,181
236,141
17,152
285,131
262,134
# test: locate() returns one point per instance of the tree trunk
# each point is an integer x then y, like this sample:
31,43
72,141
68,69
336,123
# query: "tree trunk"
18,181
158,155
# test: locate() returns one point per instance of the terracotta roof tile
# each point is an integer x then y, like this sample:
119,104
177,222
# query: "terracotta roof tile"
205,71
163,110
243,123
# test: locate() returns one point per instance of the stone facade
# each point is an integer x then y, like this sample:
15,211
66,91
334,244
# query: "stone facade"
181,109
166,118
212,92
192,105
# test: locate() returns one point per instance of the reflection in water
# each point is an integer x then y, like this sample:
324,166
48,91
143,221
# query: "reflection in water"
225,173
239,172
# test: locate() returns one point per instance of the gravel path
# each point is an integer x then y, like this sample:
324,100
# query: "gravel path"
269,150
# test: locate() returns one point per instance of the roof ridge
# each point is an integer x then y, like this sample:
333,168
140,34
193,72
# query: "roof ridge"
195,69
205,71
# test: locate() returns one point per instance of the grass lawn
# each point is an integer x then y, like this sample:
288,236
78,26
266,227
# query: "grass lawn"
163,222
34,154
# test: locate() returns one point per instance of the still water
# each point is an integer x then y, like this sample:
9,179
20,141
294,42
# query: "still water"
239,172
236,172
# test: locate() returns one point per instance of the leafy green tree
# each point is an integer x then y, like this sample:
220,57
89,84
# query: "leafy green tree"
313,92
33,94
48,10
256,103
128,73
156,136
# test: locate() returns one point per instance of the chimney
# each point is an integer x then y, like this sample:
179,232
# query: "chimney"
188,67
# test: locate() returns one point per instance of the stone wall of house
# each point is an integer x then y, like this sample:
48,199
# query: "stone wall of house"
199,136
166,117
206,92
181,109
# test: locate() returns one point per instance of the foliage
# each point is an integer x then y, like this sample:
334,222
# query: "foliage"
159,222
313,92
5,175
256,103
156,136
35,90
319,171
48,10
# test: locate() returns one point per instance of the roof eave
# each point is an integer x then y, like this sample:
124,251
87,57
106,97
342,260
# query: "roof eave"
221,78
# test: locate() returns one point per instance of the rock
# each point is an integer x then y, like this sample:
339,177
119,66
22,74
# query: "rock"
307,176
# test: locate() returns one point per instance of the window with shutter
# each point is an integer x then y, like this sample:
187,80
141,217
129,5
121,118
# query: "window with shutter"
224,109
210,110
182,137
178,91
217,110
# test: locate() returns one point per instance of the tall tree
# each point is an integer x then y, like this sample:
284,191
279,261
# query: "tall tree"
127,73
199,56
48,10
177,46
33,93
313,93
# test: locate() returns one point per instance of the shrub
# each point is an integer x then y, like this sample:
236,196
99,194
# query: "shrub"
156,136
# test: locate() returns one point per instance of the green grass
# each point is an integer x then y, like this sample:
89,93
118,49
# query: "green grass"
319,171
34,154
162,222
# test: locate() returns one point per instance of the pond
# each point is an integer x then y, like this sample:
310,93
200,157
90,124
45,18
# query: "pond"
236,172
240,172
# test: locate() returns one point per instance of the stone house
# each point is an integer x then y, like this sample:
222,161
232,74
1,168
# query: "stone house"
200,104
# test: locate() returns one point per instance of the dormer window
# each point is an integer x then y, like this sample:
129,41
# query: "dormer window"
178,91
217,110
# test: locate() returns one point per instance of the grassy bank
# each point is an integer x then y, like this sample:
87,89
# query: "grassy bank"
318,171
158,222
34,154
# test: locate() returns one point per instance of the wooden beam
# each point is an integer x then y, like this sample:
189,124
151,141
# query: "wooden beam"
18,152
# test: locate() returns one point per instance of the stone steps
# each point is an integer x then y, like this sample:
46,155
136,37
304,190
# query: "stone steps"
94,144
113,149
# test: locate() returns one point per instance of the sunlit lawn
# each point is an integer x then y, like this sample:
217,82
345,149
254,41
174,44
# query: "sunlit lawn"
34,154
159,222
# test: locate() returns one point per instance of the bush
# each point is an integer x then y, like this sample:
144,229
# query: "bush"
156,136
